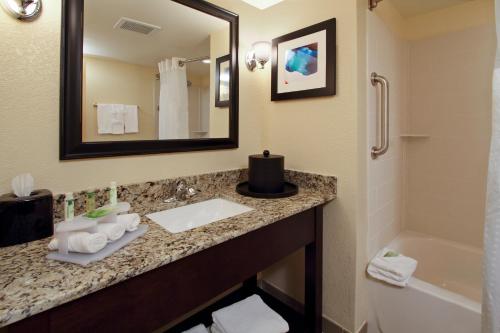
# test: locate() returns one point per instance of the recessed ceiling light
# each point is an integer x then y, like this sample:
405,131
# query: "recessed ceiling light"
206,61
262,4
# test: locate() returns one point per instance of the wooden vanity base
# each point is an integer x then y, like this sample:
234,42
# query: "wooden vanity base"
153,299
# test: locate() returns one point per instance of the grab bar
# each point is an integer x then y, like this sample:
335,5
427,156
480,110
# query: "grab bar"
384,115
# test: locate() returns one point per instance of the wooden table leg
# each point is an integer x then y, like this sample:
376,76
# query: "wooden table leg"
313,278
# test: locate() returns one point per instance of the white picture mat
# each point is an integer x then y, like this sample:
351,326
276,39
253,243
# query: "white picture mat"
315,81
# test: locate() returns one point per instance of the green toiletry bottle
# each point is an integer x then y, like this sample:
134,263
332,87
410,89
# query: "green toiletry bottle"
69,207
113,194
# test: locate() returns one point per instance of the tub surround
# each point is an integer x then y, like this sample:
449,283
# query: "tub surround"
32,284
445,290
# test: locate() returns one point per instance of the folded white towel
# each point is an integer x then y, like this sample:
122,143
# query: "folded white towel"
113,231
110,119
82,242
198,329
131,119
250,315
396,269
129,221
104,118
117,127
118,119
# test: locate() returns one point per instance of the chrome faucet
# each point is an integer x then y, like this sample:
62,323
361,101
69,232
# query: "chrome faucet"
182,192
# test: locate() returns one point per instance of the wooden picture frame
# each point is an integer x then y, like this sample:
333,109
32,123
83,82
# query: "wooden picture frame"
304,63
220,101
71,145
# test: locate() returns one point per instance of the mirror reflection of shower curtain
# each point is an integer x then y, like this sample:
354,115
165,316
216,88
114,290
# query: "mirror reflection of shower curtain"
491,266
173,108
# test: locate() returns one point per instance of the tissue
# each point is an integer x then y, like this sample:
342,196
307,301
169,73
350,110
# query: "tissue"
23,185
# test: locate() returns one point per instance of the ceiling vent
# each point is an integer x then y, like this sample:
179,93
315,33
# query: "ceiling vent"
129,24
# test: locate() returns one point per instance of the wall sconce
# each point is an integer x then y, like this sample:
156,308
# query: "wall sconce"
260,54
25,10
373,4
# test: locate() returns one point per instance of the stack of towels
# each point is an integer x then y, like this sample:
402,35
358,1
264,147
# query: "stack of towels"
85,242
251,315
198,329
392,267
117,119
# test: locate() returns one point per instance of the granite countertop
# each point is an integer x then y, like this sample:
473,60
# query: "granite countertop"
30,283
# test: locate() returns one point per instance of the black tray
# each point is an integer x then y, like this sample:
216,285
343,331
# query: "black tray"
290,190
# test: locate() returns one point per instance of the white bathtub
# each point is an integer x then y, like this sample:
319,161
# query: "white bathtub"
443,296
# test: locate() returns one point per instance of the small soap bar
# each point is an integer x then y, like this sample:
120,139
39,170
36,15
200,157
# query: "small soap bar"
69,207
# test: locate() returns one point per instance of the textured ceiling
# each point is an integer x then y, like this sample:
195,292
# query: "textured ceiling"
409,8
185,32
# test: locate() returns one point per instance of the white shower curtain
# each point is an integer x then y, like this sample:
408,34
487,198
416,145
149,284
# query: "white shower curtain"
173,113
491,271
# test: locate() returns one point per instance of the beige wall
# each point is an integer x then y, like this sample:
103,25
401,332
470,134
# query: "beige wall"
450,100
324,135
110,81
219,117
321,135
450,19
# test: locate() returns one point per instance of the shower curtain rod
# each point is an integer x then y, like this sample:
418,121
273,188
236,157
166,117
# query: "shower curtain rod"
187,61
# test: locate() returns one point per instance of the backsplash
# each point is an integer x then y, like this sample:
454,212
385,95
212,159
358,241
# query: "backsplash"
163,189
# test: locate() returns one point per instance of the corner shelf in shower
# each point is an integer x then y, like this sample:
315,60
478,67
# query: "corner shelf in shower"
415,136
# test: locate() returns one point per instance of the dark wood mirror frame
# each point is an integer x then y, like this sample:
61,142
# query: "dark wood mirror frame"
70,141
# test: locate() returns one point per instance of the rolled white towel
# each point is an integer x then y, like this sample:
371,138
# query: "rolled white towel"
395,268
197,329
129,221
250,315
82,242
112,230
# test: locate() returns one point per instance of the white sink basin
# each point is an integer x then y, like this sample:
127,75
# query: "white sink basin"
196,215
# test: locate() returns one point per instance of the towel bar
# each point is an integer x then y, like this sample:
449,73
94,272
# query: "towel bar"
96,105
384,115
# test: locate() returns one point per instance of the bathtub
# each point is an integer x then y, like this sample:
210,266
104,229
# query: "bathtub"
443,296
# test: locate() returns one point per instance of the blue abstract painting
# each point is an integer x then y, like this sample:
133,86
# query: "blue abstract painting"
302,60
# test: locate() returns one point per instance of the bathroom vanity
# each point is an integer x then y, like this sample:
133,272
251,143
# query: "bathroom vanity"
162,276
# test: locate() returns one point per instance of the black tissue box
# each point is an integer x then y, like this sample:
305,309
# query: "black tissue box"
26,219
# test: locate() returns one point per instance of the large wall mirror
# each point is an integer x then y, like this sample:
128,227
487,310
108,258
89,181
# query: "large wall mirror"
149,76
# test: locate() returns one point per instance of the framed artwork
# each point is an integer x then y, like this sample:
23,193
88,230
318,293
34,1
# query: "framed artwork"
304,63
222,78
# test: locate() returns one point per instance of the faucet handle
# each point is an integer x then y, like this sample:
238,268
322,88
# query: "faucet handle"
182,192
192,191
181,184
